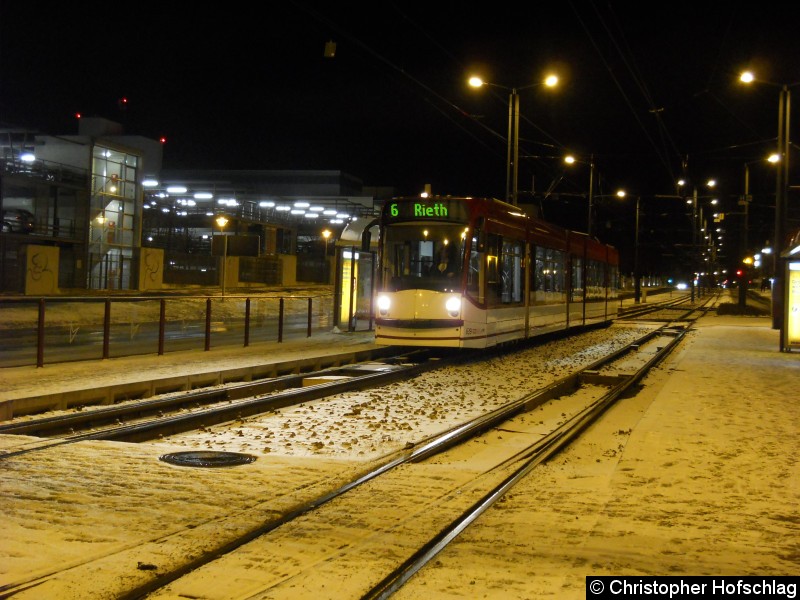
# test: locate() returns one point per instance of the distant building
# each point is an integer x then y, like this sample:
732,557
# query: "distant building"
107,216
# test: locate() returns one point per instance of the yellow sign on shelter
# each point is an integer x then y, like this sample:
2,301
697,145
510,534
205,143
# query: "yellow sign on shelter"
793,305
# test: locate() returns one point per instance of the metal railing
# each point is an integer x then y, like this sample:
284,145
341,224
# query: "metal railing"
38,330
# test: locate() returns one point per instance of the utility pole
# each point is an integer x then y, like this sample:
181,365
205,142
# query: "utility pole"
694,240
746,203
637,279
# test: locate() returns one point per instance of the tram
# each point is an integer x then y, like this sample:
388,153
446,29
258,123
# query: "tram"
479,272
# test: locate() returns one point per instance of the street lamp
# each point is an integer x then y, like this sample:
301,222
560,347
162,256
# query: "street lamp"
326,267
745,202
326,234
781,195
637,281
222,220
697,227
512,156
569,159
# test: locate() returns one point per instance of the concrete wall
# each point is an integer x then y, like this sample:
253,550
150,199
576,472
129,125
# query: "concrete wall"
151,269
41,270
289,269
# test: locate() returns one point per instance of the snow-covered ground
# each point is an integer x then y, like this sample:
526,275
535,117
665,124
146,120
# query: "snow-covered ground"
695,475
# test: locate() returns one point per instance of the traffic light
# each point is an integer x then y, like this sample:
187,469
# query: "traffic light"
739,273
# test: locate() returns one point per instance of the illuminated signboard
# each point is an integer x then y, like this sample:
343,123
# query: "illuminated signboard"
793,305
421,209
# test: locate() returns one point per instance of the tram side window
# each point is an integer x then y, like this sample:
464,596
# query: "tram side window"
512,278
494,287
576,288
558,262
475,273
504,269
549,275
538,275
613,281
595,279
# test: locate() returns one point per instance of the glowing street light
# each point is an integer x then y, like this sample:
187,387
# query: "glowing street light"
697,228
222,220
637,281
512,157
745,202
781,195
326,234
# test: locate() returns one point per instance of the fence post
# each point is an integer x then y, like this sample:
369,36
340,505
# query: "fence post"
308,331
280,320
208,324
162,313
247,322
106,325
40,335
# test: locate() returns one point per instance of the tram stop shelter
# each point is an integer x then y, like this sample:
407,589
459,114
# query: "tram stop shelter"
356,273
790,330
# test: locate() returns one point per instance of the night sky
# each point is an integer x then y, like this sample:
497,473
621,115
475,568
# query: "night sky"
650,91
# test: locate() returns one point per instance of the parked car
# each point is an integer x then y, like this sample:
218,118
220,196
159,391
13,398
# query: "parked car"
17,220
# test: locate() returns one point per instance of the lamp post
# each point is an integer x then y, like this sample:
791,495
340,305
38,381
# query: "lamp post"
782,183
781,197
746,210
326,234
702,228
512,153
637,279
222,220
745,202
697,227
569,159
693,202
637,282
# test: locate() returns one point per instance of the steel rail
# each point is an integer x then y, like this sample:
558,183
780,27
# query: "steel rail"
424,449
206,395
171,424
533,456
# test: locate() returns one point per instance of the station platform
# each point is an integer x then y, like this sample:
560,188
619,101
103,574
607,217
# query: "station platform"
58,386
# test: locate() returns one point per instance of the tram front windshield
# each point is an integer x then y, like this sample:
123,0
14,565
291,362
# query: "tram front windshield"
419,256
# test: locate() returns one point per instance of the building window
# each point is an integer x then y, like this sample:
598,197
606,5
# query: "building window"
112,218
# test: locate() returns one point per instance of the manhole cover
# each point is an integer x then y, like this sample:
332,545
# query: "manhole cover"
207,459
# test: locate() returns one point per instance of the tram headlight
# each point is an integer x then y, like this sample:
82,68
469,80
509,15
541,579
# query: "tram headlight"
383,304
453,306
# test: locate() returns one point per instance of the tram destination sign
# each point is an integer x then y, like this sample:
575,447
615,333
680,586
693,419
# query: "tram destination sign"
426,210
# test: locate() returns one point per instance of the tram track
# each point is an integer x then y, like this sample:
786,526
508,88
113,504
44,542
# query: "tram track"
597,375
489,483
671,309
170,414
144,420
612,373
529,458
